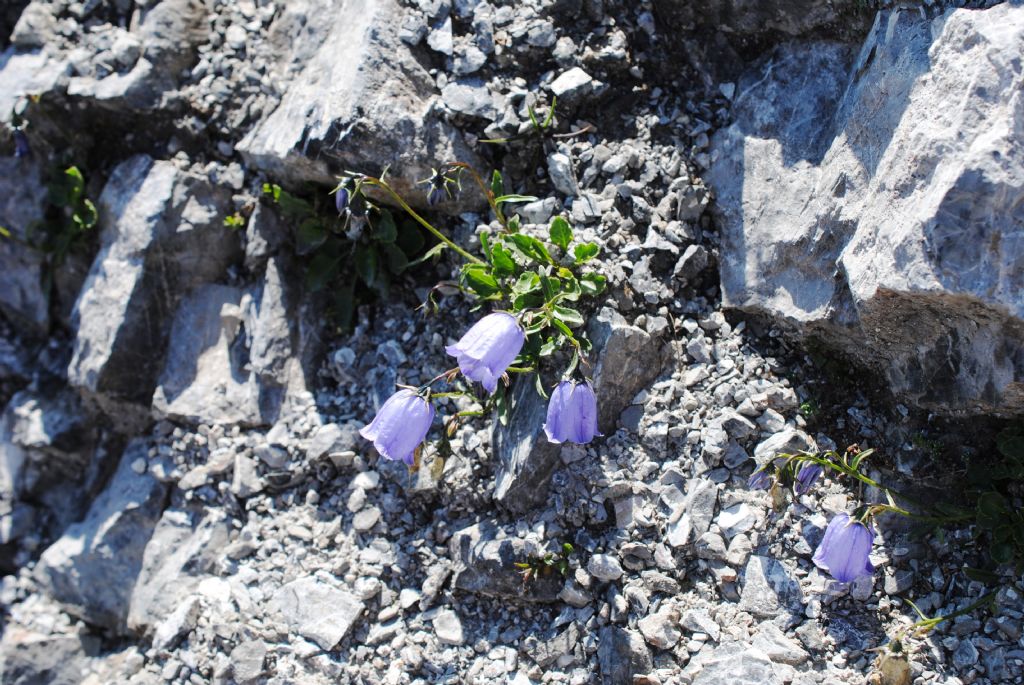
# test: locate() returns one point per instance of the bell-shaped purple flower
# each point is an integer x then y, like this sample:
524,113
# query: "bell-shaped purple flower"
341,199
572,413
400,425
844,550
807,476
759,480
487,349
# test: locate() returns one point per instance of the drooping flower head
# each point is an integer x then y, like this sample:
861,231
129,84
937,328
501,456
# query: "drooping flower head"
487,349
845,548
341,198
572,413
400,425
807,477
759,480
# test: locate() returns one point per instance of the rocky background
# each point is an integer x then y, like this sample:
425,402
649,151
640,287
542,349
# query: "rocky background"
812,216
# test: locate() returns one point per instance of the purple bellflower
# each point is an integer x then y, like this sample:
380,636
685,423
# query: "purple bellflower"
807,476
400,425
759,480
572,413
341,199
487,349
844,550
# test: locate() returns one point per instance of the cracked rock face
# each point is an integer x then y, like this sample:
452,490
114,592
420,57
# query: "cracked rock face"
857,206
361,102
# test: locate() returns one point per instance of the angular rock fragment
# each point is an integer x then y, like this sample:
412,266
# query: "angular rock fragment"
622,655
362,102
181,553
92,569
316,610
527,459
487,566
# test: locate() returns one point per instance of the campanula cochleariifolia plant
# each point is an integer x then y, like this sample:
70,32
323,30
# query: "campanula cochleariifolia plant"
528,290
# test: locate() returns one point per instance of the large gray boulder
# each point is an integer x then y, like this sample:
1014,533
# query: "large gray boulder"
91,570
363,102
162,236
858,205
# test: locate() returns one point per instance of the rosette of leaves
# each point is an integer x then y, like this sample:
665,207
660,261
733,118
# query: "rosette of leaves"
354,265
75,212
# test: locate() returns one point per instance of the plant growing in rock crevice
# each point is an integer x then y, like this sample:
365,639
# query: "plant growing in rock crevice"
535,288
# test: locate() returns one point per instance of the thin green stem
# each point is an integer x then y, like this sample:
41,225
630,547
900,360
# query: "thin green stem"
420,220
521,369
488,193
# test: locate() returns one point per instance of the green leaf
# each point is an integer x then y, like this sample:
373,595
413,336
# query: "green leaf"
366,264
502,260
981,575
429,254
551,113
514,198
560,325
531,247
548,348
586,251
396,259
345,305
410,238
513,224
310,235
571,289
569,315
292,207
528,282
322,269
538,384
485,244
480,280
4,232
497,185
560,232
273,190
86,216
385,229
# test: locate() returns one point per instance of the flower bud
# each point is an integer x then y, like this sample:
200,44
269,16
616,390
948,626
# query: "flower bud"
807,476
341,199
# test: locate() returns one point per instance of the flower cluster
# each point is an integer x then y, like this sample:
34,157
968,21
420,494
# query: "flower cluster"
484,354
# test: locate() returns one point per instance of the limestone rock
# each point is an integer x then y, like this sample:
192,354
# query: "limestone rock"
527,459
889,228
29,658
622,655
769,589
735,664
316,610
92,568
162,236
487,566
362,102
182,551
628,359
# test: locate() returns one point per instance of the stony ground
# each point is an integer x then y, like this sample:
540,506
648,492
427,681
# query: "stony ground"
291,553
